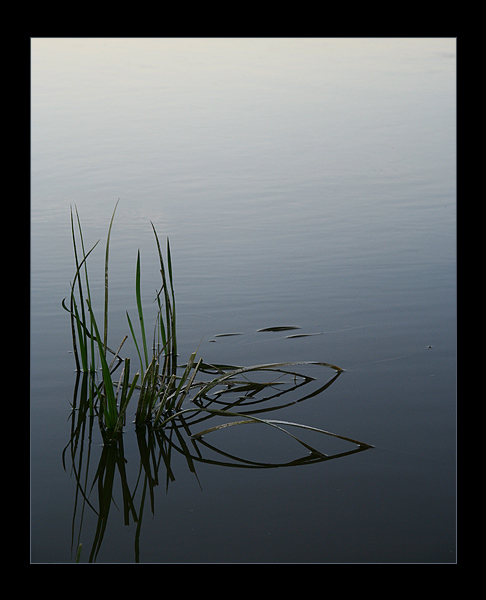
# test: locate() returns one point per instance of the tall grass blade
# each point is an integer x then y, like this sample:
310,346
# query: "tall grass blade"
73,307
92,367
107,253
110,411
161,328
140,310
75,318
169,298
83,349
82,337
173,322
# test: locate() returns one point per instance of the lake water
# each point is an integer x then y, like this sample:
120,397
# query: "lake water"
302,182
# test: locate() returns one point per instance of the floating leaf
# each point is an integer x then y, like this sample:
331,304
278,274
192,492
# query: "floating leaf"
285,328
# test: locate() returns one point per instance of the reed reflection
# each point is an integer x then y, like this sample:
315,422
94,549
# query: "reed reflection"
103,475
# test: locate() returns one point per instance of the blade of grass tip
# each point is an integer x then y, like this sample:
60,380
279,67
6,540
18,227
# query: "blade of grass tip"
105,332
140,310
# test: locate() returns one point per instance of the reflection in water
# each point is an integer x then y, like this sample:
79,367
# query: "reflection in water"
269,389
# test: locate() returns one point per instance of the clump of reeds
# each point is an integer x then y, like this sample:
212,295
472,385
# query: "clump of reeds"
161,391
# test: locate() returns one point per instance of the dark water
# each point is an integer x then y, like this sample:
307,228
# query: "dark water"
306,183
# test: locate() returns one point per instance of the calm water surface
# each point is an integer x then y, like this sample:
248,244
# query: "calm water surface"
303,182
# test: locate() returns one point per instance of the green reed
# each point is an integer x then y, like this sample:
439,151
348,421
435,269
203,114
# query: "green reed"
159,384
161,391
